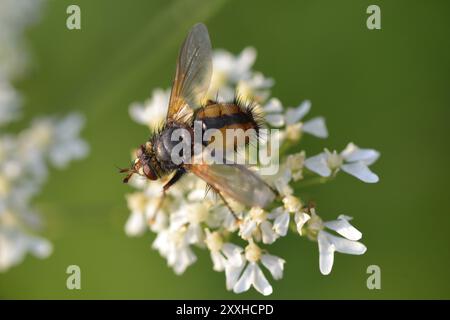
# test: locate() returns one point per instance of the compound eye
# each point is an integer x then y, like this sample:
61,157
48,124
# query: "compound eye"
139,152
149,172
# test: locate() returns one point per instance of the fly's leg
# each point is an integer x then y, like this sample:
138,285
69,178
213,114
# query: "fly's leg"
158,207
178,174
274,190
210,187
226,203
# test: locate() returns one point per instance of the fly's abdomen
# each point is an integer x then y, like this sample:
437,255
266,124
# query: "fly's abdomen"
237,122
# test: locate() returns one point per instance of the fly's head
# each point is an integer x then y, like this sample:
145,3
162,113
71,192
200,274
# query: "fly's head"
142,165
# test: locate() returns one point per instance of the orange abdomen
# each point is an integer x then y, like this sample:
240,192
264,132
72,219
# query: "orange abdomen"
229,116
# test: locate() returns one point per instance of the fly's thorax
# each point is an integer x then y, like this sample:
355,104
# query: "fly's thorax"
164,142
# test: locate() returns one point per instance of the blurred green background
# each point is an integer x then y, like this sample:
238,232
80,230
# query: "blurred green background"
387,89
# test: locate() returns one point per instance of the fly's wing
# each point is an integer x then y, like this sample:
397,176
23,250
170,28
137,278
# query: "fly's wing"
193,73
235,181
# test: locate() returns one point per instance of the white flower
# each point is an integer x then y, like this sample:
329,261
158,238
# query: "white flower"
295,163
173,245
153,111
281,220
281,181
300,219
329,243
233,74
57,138
190,216
15,16
291,169
257,225
222,217
281,215
291,119
24,158
137,222
256,88
249,273
353,160
145,206
273,111
23,168
292,203
66,145
228,68
15,244
9,102
222,254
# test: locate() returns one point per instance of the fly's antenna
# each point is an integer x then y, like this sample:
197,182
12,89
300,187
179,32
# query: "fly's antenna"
121,170
128,176
129,172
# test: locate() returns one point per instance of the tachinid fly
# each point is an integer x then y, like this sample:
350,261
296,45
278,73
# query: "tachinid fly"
190,86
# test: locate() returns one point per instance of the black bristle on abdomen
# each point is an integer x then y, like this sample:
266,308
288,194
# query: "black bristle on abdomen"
250,108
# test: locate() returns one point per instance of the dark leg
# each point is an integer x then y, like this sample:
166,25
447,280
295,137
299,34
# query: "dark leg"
227,205
178,174
274,190
158,207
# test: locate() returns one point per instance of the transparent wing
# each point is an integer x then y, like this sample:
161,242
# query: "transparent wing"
235,181
193,73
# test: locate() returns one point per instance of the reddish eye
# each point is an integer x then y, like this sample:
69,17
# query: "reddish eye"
149,172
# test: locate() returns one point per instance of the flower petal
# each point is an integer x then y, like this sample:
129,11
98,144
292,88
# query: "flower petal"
194,234
326,253
294,115
360,171
274,264
300,219
345,217
344,228
275,213
260,281
282,181
353,153
233,253
137,113
245,60
318,164
246,279
273,106
136,224
40,247
275,120
346,246
281,224
218,260
232,274
268,234
247,228
179,218
316,127
183,258
196,195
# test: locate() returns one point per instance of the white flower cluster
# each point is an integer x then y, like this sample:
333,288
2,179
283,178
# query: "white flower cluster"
239,247
25,156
